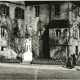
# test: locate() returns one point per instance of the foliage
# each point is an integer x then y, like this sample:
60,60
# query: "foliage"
15,43
2,57
58,54
19,57
36,37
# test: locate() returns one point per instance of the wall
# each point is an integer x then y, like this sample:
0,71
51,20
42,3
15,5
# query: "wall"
28,27
35,24
58,48
63,11
58,44
74,19
74,22
12,49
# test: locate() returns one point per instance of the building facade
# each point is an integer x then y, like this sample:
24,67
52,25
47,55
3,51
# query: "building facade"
12,28
53,26
60,36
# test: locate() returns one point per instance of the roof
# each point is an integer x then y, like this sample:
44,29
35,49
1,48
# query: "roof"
37,2
16,2
76,3
58,24
28,3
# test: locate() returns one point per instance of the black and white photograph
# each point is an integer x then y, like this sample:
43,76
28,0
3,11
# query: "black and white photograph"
39,39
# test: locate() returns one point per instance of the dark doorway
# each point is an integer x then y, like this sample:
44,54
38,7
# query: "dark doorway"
46,54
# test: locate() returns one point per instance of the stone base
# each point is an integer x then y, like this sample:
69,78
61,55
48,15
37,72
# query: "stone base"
27,56
26,62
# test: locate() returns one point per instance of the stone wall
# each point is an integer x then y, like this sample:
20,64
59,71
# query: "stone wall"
57,51
35,24
74,19
63,11
34,27
12,46
27,27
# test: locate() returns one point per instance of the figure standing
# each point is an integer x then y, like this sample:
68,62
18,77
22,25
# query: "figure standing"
74,60
70,62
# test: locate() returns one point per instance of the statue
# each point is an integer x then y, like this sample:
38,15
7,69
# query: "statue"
27,56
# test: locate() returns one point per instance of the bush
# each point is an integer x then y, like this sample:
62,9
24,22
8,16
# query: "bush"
2,57
19,57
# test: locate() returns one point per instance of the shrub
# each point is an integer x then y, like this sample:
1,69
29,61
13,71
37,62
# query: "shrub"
19,57
2,57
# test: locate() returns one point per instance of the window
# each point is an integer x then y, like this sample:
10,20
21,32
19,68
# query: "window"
79,32
7,11
19,13
15,32
58,33
4,9
16,13
22,14
37,11
75,34
65,32
2,32
2,48
76,47
57,9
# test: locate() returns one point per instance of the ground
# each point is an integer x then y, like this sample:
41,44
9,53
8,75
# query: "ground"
20,71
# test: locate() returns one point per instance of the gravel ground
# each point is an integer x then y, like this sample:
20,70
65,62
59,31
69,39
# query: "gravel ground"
28,73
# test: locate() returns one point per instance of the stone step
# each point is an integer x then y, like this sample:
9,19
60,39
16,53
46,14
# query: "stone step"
26,62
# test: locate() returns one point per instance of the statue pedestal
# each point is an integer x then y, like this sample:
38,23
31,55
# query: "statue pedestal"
27,56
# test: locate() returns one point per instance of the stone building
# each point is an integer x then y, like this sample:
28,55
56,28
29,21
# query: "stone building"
58,28
53,27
